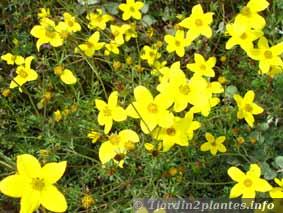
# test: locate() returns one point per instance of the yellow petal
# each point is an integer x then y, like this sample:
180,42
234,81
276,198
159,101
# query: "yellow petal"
262,185
30,201
53,200
256,109
249,119
113,99
129,135
236,190
119,114
220,139
12,186
249,96
68,77
106,152
209,137
142,94
205,147
236,174
28,165
52,172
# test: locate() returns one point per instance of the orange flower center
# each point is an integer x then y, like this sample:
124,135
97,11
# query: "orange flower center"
70,23
213,143
171,131
248,182
37,184
152,108
89,45
268,54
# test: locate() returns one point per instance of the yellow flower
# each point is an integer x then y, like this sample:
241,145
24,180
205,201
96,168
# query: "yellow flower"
131,9
6,92
91,45
111,47
118,33
213,145
247,184
57,115
267,56
241,35
198,23
116,147
98,20
179,133
65,75
43,13
202,67
277,192
130,31
46,33
150,55
247,108
151,111
273,71
68,77
94,136
177,43
175,86
35,185
249,14
24,74
201,94
110,111
72,25
13,59
87,201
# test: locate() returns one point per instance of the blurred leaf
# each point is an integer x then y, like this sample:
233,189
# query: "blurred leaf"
230,91
267,172
279,161
112,7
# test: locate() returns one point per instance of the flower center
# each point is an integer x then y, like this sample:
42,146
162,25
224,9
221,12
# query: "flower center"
244,36
132,9
70,23
248,108
119,157
152,108
107,112
268,54
248,182
213,143
171,131
177,43
184,89
89,45
114,139
198,22
246,12
50,31
22,73
38,184
151,54
202,67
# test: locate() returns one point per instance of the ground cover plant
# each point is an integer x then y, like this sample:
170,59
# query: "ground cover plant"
105,101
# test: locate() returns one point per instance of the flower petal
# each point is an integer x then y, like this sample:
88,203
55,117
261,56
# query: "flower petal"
236,174
68,77
53,200
52,172
28,165
12,186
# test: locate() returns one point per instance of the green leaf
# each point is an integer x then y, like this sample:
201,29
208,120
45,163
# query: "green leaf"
267,172
279,161
230,91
